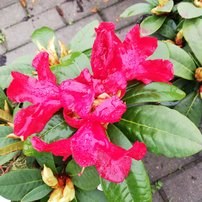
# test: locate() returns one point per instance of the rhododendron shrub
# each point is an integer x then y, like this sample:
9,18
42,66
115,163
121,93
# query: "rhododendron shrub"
88,121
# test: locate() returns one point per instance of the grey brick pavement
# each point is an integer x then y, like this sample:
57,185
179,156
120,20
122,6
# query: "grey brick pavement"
182,178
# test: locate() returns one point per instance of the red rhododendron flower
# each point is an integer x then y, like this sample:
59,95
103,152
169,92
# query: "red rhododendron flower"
90,147
129,57
42,93
90,102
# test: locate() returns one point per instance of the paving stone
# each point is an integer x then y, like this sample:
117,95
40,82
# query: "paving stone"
160,166
71,10
122,33
49,18
67,33
5,3
28,49
18,34
2,49
186,186
157,197
42,5
112,13
11,15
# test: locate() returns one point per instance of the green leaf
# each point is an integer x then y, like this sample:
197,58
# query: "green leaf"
161,52
2,99
56,129
72,67
89,180
184,66
84,39
11,148
136,187
168,29
6,158
151,24
4,131
137,9
166,8
153,92
90,196
42,36
5,72
16,184
41,157
191,106
153,2
192,30
37,193
189,10
164,131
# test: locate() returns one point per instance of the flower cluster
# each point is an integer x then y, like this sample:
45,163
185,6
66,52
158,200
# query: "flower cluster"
91,101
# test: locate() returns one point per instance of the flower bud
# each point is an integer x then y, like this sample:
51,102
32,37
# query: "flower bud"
56,195
198,3
179,37
68,192
198,74
48,177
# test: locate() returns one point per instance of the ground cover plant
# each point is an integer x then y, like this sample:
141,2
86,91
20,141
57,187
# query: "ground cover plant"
77,119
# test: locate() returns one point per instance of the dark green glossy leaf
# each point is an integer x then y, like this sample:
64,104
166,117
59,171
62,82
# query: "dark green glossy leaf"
192,30
56,129
89,180
168,29
184,66
137,9
90,196
16,184
4,131
84,39
189,10
153,92
71,67
191,106
37,193
42,36
164,131
151,24
136,187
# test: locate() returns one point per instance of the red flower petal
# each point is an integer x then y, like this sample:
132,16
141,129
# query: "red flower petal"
85,143
41,64
90,146
76,97
58,148
105,58
24,88
154,70
143,47
113,164
72,120
115,84
109,111
135,51
33,119
138,151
